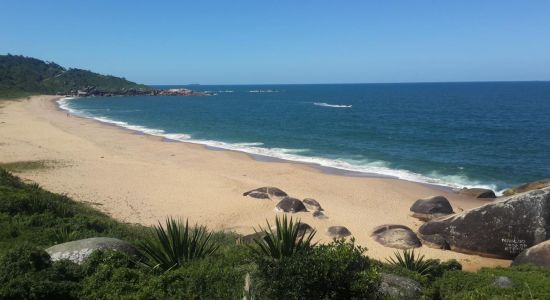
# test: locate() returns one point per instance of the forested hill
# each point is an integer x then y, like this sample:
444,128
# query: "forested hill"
20,75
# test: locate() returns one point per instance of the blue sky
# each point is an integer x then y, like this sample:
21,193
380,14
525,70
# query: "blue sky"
232,42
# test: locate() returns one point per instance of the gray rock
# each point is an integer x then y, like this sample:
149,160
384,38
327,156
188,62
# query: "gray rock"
478,193
249,238
396,236
431,208
78,251
304,228
319,215
399,287
312,204
266,192
338,231
500,229
539,184
290,205
538,255
503,282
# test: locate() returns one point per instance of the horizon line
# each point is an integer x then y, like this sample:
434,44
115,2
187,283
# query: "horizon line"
352,83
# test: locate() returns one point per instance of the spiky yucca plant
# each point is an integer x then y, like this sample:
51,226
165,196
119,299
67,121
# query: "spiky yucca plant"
176,243
286,240
411,261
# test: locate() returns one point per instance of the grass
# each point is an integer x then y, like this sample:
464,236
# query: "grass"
28,165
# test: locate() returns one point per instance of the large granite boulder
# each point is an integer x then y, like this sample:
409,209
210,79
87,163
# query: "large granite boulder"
478,193
312,204
266,192
540,184
396,236
338,231
290,205
500,229
78,251
399,287
538,255
431,208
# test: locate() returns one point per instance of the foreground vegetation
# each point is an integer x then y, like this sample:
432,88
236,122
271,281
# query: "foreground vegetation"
24,76
185,261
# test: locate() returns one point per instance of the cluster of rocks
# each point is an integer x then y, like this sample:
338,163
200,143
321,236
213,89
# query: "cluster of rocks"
93,91
516,226
289,204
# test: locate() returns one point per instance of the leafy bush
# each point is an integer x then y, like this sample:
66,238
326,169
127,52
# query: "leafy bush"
28,273
338,270
528,283
176,243
287,239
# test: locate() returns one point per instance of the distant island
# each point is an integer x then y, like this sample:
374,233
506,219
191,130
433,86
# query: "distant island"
24,76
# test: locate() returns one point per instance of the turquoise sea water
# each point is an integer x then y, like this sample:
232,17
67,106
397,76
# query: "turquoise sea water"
455,134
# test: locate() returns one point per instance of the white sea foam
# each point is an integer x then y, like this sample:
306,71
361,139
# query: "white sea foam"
331,105
255,148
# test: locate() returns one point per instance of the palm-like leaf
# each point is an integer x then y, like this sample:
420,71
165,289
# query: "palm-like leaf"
286,240
409,260
176,243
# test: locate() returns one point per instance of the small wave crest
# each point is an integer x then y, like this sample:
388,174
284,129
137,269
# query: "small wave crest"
331,105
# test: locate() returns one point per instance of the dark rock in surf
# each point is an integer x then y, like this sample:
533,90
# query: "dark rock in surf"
290,205
431,208
478,193
396,236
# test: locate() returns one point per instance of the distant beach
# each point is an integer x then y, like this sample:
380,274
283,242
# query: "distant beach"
142,179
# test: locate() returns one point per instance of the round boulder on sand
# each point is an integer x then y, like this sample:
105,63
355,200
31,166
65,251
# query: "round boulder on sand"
538,255
290,205
303,228
338,231
396,236
431,208
266,192
319,215
78,251
312,204
478,193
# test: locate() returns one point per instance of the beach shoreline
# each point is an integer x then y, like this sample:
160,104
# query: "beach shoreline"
140,178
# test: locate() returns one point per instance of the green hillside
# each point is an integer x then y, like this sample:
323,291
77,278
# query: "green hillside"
21,76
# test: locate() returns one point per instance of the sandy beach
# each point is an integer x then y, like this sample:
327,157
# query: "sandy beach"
142,179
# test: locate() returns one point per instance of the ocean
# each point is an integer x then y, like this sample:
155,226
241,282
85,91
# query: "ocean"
492,135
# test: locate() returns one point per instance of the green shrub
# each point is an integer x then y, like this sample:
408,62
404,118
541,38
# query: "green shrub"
338,270
528,283
286,240
28,273
175,244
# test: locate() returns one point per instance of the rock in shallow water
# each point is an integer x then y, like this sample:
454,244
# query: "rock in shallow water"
431,208
478,193
291,205
266,192
396,236
538,255
78,251
500,229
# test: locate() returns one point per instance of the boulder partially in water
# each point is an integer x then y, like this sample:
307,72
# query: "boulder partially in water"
500,229
431,208
338,231
538,255
78,251
290,205
396,236
535,185
478,193
266,192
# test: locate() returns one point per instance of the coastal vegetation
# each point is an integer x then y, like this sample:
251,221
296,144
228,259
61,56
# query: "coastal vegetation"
194,263
22,76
